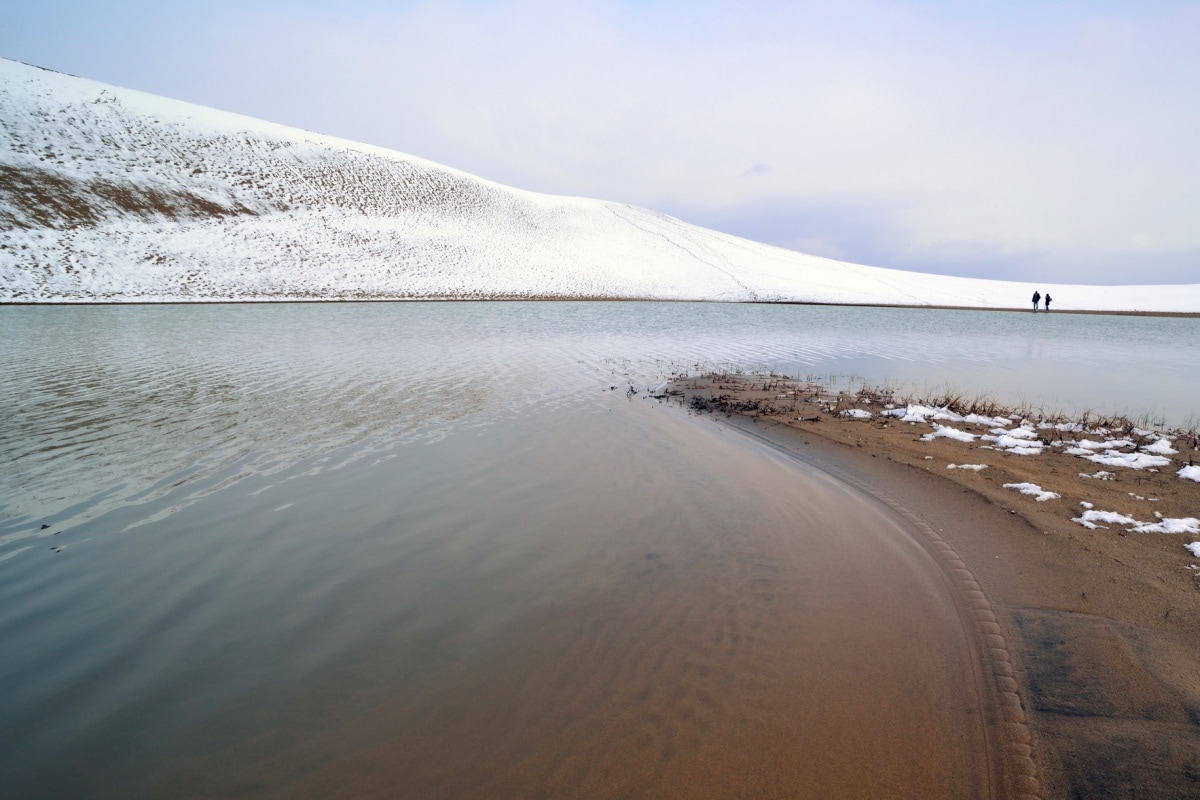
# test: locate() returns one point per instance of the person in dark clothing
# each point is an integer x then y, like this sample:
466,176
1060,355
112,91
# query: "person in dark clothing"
1047,301
1036,297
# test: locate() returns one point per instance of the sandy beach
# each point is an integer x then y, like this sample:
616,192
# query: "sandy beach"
1100,625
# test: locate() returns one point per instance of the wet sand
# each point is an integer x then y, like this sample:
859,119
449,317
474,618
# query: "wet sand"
1102,626
654,606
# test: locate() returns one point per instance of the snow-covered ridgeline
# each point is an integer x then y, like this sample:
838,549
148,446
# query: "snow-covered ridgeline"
108,194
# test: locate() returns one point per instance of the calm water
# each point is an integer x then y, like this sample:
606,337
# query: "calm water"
429,550
114,406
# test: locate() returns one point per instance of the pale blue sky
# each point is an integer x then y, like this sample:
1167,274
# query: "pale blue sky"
1025,141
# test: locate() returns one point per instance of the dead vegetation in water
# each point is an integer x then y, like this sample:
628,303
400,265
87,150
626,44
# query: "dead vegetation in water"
760,395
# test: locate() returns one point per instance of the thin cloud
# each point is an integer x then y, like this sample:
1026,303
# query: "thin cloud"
757,169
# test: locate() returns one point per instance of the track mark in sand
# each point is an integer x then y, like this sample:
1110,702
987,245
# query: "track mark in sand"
1015,750
727,273
1009,735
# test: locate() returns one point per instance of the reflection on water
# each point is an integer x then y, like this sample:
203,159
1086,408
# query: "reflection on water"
109,406
622,603
435,550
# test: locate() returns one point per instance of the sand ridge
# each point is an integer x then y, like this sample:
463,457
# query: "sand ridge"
1102,624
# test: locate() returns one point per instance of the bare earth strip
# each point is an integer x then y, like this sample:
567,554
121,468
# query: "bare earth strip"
1101,625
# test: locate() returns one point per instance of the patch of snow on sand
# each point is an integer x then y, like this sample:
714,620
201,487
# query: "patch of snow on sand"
856,413
949,433
1112,458
1166,525
1089,444
1016,445
1038,493
917,414
973,467
1162,447
1016,433
1194,548
1190,474
995,422
1090,517
1100,475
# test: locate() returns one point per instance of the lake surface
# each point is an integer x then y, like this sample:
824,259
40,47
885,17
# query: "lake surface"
436,549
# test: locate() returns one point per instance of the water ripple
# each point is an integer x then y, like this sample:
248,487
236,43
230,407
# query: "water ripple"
110,407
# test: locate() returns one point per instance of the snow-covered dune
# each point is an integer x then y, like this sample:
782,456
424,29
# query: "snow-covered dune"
112,195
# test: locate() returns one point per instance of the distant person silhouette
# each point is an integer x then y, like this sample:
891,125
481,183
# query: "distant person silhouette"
1047,302
1036,297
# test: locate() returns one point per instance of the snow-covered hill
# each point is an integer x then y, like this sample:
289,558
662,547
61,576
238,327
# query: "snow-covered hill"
112,195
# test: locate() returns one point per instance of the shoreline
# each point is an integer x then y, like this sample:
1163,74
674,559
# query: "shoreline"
1015,309
552,299
1101,624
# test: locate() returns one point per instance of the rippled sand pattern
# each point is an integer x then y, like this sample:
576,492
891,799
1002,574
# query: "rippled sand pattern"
638,605
736,646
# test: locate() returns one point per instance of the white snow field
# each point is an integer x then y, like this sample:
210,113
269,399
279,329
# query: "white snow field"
113,195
